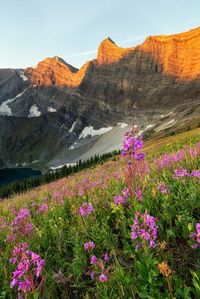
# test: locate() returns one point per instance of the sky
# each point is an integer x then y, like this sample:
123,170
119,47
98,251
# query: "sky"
31,30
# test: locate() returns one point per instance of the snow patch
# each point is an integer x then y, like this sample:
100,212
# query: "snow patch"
145,129
149,127
122,125
166,115
170,122
72,146
90,131
22,75
50,109
72,127
5,109
34,112
60,166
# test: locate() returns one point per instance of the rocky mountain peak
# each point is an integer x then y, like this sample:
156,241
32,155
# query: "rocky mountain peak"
178,54
109,52
56,71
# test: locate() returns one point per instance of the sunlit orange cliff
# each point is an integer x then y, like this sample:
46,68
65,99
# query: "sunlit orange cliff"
177,54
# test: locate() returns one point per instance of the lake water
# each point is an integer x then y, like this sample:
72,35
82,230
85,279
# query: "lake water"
9,175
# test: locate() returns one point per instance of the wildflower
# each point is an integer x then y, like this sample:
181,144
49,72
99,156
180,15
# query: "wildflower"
29,268
144,229
89,246
119,200
106,257
164,269
126,193
132,146
43,208
86,209
180,173
196,236
162,245
195,173
92,274
21,224
138,194
93,260
163,188
103,278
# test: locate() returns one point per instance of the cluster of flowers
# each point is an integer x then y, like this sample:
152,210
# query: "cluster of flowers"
144,229
121,199
196,236
27,277
58,198
163,188
167,160
86,209
3,224
138,194
21,225
182,173
98,265
133,145
43,208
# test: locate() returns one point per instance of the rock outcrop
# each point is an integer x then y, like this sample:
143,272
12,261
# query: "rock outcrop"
179,54
109,52
55,71
44,110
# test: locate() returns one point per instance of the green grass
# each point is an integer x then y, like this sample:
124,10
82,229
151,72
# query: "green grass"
60,233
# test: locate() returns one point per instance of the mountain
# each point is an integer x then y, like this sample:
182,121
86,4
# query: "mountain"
54,113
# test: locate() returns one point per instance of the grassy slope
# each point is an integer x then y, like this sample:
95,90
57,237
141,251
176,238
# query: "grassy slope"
60,233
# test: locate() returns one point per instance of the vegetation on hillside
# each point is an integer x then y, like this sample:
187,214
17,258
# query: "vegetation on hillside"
129,228
20,186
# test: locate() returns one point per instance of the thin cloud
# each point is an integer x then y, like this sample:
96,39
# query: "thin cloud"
122,42
85,53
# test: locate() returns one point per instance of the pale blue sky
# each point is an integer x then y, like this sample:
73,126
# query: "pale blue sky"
31,30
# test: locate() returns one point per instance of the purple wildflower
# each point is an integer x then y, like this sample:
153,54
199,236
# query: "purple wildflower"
196,236
145,229
106,257
89,246
29,267
93,260
180,173
163,188
195,173
132,146
103,278
43,208
138,194
119,200
86,209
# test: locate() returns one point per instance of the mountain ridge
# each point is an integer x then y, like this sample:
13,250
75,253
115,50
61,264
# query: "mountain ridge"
56,114
109,52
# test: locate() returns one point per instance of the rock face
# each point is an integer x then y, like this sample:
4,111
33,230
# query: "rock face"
55,71
48,113
109,52
179,54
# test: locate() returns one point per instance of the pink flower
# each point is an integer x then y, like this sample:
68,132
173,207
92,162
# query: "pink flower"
89,246
144,229
119,200
196,236
93,260
86,209
103,278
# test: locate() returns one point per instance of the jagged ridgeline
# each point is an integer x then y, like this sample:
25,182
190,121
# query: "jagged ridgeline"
53,113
